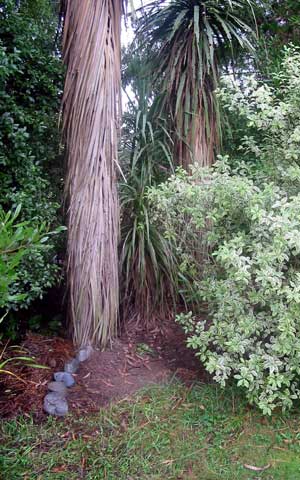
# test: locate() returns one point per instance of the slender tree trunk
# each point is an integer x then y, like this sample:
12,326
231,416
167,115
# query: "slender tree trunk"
197,148
91,101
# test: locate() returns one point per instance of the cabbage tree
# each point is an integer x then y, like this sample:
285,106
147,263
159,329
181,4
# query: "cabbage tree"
91,107
191,40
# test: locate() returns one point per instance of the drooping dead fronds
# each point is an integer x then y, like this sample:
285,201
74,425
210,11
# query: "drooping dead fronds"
91,48
190,41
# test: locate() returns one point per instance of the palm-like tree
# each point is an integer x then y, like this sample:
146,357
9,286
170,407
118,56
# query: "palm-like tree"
190,40
91,49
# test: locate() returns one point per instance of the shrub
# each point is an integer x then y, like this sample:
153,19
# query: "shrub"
30,89
19,242
265,124
247,268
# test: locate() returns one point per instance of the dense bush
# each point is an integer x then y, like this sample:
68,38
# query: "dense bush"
19,242
30,87
266,124
249,276
236,233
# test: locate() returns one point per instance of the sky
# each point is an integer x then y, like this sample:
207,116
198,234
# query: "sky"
126,38
127,33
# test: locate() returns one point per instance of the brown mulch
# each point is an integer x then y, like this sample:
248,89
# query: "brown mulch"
25,394
114,374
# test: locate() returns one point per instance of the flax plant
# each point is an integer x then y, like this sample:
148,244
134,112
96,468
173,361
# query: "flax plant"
148,263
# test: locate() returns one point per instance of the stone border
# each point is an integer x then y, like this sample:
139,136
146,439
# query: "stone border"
55,402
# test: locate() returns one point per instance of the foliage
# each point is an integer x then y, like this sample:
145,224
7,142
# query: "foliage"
20,243
30,86
147,263
29,91
250,278
190,41
266,123
12,356
282,20
166,431
279,25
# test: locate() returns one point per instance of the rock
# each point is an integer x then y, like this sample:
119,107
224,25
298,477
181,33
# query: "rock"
84,353
58,387
55,404
72,366
65,377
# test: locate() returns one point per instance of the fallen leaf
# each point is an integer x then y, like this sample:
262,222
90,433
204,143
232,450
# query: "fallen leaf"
257,469
62,468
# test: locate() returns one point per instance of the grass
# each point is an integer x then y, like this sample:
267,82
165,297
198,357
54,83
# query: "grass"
166,432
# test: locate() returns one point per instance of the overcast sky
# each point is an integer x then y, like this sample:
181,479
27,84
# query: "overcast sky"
127,34
126,39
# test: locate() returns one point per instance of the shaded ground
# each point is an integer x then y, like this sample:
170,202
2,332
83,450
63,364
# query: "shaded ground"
25,394
133,362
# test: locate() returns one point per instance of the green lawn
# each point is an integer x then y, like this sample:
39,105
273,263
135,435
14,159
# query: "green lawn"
166,432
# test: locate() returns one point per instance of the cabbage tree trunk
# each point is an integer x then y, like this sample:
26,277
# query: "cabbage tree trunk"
91,100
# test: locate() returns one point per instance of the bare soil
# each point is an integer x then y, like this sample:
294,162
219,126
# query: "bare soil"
132,362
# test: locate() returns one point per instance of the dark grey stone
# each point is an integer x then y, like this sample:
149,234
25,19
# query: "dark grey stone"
72,366
58,387
65,377
55,404
84,353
